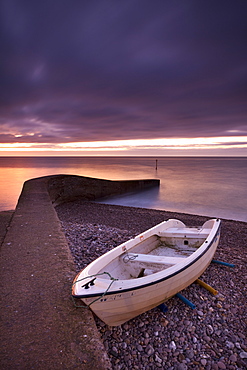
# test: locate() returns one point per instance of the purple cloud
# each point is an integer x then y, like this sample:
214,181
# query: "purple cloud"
86,71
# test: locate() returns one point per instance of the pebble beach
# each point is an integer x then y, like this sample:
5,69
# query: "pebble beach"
211,336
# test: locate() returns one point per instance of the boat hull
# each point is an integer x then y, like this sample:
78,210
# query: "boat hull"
116,307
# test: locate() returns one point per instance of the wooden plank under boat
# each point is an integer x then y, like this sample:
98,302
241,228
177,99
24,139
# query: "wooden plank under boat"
147,270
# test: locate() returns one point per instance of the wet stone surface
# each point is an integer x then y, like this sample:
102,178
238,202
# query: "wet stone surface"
212,336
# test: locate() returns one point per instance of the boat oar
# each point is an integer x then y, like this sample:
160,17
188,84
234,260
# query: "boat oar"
223,263
206,286
186,301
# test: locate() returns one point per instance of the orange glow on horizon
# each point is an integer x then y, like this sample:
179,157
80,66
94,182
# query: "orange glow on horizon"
228,142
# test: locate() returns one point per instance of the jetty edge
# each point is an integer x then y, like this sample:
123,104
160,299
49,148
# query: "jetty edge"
40,327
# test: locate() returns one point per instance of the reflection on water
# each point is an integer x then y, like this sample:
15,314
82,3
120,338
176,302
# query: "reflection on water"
216,187
14,171
148,198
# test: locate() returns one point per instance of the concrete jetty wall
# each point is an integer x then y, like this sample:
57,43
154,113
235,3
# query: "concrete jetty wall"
64,188
40,327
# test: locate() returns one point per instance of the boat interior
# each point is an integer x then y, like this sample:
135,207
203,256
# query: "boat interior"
156,253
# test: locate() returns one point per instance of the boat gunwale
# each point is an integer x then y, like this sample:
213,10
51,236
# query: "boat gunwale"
172,274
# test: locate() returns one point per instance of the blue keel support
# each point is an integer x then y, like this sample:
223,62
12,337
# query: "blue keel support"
223,263
163,307
185,300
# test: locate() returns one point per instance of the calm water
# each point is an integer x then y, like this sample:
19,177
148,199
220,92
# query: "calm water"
215,187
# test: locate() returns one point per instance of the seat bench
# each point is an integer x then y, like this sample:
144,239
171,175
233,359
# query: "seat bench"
186,233
150,259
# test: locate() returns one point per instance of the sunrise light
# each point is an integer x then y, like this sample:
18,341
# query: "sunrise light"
117,146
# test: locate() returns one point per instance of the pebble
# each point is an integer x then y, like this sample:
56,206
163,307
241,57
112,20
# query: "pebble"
243,354
200,313
203,362
229,344
221,365
149,350
211,337
172,346
233,358
210,329
182,367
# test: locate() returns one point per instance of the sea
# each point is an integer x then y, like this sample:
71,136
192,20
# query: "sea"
208,186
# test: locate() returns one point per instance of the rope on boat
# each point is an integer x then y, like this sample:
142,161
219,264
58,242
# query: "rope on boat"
113,279
92,276
128,258
100,297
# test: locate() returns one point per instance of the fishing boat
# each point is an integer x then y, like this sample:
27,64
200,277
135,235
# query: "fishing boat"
146,270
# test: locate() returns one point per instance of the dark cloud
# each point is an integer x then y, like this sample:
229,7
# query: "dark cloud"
95,70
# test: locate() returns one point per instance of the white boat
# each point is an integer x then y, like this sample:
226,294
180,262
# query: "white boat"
147,270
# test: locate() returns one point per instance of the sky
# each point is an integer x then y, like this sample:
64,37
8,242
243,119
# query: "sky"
123,77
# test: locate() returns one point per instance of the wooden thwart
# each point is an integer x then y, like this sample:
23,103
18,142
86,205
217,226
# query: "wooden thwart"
184,233
150,258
